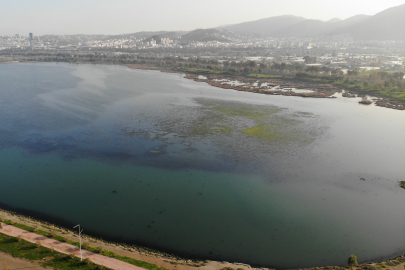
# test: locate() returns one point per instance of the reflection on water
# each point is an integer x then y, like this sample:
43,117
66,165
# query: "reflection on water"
154,159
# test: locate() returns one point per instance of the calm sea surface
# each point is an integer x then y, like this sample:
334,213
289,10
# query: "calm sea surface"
154,159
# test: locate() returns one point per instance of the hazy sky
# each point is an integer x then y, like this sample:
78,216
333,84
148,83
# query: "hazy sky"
128,16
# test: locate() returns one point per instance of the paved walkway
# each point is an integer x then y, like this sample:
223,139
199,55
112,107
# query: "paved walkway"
67,248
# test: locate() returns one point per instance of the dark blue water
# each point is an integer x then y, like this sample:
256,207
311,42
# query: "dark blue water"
151,158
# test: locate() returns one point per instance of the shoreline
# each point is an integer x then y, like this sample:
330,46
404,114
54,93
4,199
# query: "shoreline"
169,261
319,90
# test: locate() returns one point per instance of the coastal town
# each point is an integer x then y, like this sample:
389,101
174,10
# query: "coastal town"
344,53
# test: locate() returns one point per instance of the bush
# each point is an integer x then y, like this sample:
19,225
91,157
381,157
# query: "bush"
38,244
352,260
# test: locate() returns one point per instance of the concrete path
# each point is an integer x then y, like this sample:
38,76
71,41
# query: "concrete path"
67,248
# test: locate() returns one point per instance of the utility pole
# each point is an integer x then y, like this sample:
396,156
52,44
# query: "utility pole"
80,239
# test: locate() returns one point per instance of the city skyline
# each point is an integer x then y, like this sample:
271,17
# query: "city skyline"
123,16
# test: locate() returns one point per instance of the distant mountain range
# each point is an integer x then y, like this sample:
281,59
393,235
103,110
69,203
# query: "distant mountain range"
204,35
386,25
149,34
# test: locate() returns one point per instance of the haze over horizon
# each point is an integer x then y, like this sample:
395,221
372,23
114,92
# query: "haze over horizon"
44,17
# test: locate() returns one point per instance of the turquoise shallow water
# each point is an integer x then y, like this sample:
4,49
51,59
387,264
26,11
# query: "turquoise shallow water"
154,159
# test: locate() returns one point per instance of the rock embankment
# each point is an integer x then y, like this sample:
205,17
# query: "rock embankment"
390,103
365,101
284,88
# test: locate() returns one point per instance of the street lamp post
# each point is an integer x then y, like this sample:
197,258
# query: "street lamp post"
80,239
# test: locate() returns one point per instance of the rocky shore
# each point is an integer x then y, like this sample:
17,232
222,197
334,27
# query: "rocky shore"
284,87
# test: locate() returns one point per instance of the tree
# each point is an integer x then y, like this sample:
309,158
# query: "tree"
398,75
310,59
337,72
352,261
387,84
352,72
252,64
315,69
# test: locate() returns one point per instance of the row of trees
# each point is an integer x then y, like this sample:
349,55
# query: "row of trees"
392,82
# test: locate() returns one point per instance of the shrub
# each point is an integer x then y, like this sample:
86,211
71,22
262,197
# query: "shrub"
85,245
87,261
19,238
38,244
352,260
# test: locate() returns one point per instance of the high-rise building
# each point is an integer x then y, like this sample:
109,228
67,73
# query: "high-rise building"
32,41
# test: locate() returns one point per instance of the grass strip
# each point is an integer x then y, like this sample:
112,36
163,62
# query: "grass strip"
65,261
20,248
